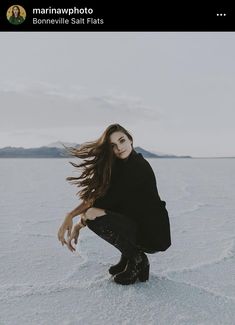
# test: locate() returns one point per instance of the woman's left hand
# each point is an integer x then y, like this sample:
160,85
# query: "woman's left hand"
74,235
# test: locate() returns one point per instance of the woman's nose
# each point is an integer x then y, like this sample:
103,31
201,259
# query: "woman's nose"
119,148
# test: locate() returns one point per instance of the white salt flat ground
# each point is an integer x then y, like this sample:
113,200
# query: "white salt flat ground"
42,282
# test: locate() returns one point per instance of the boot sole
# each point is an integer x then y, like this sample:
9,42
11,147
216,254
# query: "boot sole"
143,276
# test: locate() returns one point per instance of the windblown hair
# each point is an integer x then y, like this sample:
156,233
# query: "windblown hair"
98,159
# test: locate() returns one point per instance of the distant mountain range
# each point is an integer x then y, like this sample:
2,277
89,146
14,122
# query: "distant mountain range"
56,150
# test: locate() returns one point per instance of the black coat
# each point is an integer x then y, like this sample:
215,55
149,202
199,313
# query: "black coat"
133,193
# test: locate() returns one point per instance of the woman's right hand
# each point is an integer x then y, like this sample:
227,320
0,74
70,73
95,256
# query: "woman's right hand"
67,225
74,236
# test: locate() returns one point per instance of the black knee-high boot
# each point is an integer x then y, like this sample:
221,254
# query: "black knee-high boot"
112,236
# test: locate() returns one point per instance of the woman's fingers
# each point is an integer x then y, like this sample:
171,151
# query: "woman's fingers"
63,241
69,231
72,233
70,247
74,236
66,226
60,235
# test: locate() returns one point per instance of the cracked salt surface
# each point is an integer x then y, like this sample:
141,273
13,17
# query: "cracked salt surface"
42,282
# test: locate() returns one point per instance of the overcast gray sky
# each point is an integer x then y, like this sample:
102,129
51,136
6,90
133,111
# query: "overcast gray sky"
175,92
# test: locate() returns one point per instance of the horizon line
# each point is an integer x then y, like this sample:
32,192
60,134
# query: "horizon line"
149,150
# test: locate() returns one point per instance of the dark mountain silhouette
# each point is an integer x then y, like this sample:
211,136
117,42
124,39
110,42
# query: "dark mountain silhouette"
60,152
148,154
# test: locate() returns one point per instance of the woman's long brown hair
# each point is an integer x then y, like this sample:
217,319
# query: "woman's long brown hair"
96,168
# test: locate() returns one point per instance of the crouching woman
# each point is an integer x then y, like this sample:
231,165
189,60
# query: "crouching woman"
120,203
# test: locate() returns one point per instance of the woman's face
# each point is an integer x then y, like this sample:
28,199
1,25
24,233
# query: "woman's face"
16,11
121,144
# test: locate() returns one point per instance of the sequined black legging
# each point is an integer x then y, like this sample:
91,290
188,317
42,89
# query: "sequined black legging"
118,230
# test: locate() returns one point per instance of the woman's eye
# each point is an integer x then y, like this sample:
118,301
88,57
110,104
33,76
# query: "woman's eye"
123,140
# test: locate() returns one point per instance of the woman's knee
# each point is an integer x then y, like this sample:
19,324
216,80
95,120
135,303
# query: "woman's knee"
90,224
93,213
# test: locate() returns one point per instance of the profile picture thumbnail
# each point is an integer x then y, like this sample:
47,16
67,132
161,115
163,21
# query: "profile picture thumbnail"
16,14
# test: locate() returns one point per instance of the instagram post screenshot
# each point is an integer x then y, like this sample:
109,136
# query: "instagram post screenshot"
117,163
